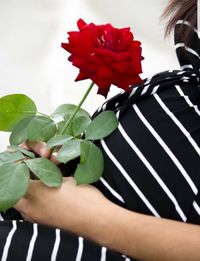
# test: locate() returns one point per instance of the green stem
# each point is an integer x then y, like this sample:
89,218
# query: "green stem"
77,109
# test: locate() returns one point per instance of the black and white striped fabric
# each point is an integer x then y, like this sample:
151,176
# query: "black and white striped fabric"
152,163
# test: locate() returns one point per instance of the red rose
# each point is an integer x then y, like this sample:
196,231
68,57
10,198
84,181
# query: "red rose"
106,55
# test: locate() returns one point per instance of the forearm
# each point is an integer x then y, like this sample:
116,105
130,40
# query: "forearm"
143,237
83,210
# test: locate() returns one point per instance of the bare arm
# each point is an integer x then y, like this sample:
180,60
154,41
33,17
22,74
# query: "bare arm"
84,211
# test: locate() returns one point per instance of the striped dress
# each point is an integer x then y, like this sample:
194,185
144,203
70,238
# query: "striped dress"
152,164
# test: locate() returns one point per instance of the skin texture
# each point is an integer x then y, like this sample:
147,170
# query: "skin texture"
83,210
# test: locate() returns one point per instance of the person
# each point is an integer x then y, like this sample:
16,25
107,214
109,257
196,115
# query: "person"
147,204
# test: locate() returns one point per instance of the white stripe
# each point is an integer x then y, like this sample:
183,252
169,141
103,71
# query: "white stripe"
183,22
187,99
179,124
8,241
145,89
112,191
104,106
56,245
133,91
186,23
155,89
117,114
1,218
190,50
80,249
126,258
99,109
196,207
116,104
181,72
167,150
187,66
153,172
130,181
148,80
103,254
32,242
185,79
168,78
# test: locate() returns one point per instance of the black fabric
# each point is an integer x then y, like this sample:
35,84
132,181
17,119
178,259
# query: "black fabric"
151,162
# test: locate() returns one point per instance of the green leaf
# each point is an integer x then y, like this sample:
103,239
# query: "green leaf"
7,157
58,140
35,128
14,182
46,171
41,128
68,131
103,125
69,151
14,108
80,124
65,110
91,165
19,133
22,150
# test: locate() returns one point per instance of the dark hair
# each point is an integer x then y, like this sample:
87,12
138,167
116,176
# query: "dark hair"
180,10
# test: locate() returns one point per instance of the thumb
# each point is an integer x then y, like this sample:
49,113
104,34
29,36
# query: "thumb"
39,148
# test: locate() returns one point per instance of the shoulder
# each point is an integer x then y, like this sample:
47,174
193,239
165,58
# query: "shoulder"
172,83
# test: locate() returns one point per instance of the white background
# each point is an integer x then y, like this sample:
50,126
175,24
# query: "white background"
32,61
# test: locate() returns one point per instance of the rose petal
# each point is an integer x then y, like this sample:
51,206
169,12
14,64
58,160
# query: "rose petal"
106,55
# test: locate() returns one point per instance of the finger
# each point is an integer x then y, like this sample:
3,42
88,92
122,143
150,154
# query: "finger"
53,158
21,205
27,218
34,186
39,148
24,146
69,180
